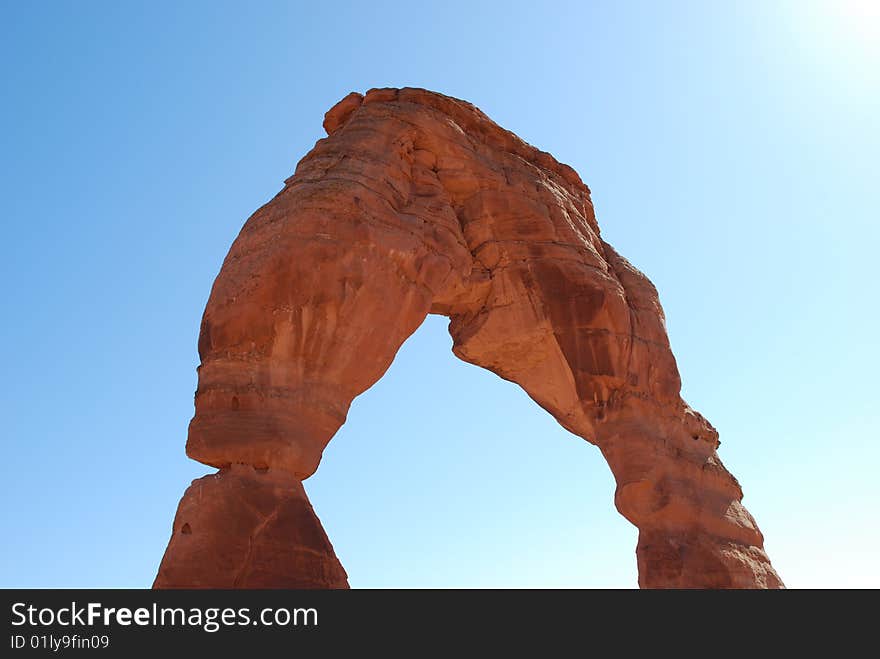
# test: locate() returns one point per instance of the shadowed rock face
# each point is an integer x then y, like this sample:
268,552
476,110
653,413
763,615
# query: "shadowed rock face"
418,203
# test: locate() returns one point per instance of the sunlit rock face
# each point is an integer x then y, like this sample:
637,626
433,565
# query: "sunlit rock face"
418,203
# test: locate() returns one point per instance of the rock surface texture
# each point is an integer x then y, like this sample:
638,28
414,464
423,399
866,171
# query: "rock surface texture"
418,203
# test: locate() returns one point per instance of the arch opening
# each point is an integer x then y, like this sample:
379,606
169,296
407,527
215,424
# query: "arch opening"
461,480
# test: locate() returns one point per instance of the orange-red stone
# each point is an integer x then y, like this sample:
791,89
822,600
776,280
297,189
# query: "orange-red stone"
418,203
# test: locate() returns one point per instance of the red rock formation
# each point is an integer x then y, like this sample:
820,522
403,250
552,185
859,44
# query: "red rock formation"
417,203
247,528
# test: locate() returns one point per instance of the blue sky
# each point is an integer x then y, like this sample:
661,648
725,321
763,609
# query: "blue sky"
732,153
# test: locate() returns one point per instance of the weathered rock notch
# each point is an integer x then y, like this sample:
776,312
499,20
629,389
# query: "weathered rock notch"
418,203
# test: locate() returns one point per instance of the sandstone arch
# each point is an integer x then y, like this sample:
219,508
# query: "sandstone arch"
417,203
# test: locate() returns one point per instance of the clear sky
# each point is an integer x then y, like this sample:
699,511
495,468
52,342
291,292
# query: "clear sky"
732,152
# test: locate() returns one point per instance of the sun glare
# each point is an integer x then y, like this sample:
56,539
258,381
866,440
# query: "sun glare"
861,18
839,40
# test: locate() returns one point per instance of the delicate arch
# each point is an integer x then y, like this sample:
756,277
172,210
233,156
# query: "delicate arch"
417,203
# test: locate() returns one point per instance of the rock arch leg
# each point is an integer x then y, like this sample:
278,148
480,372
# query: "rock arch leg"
418,203
589,345
317,294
